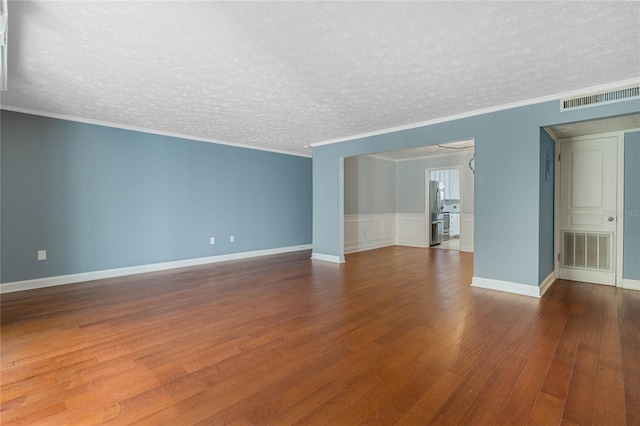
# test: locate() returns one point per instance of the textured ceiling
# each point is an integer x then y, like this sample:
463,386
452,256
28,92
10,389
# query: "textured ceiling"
282,75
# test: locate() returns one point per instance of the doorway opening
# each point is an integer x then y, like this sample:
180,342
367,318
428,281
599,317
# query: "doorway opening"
595,236
443,208
588,226
386,196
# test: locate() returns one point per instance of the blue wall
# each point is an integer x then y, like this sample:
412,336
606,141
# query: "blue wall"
507,182
99,198
631,260
546,229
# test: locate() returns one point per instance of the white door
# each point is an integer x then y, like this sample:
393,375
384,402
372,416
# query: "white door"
587,221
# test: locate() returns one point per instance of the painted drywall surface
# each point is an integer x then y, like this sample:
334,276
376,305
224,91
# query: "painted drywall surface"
507,181
546,263
99,198
631,241
369,185
410,180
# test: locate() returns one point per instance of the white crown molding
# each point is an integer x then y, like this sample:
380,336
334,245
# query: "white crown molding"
141,269
142,129
527,102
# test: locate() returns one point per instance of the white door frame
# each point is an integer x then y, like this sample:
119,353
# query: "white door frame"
619,214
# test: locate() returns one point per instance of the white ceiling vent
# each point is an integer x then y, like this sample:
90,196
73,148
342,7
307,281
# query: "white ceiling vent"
600,98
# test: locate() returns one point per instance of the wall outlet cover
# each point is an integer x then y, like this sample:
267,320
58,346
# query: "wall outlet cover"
212,240
232,239
42,255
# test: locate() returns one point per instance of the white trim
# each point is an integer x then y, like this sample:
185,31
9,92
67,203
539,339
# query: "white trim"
631,284
327,257
556,206
546,284
550,133
427,213
507,286
533,101
366,246
141,269
340,210
143,129
620,210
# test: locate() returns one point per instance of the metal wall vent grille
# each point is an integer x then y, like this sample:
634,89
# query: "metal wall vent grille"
600,98
586,250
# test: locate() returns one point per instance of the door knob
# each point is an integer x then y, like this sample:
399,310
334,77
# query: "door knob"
610,219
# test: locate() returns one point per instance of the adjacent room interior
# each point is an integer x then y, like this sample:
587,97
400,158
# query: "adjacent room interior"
388,199
335,213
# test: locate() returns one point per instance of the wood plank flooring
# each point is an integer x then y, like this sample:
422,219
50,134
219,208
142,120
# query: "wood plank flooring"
394,336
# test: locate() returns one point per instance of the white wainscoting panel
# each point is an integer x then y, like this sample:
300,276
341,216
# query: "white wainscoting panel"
410,230
368,231
466,232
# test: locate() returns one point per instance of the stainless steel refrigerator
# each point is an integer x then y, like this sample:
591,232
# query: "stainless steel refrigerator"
436,206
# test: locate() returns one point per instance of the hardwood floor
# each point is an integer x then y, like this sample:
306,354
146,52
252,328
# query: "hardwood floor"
394,336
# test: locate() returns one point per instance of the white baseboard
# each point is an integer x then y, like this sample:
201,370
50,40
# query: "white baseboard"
327,258
140,269
507,286
631,284
408,242
466,246
544,286
364,246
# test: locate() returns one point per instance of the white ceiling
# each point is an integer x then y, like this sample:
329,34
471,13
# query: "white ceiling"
282,75
451,148
593,127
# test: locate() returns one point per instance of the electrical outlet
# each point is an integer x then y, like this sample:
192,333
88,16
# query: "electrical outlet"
232,239
42,255
212,240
